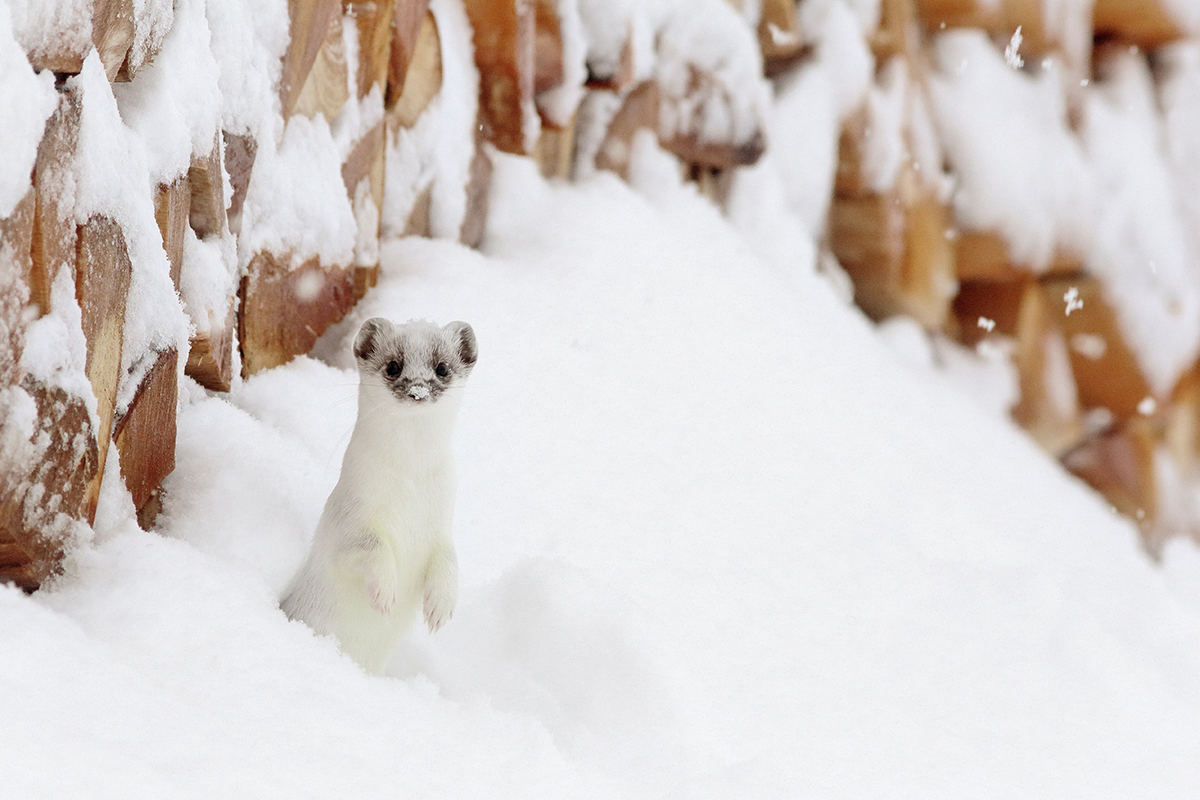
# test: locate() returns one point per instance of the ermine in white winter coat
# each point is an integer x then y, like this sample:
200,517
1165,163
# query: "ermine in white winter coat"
382,548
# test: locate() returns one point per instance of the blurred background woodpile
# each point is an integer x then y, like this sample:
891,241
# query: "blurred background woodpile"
997,175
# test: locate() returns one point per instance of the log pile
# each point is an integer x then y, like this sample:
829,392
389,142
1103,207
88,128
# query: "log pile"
578,87
1085,396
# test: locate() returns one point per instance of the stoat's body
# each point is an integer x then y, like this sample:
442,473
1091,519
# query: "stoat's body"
382,548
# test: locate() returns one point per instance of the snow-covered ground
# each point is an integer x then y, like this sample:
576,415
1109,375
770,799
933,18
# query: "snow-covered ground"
715,540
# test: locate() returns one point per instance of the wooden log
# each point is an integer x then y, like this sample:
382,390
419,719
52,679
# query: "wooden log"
210,353
555,150
374,20
422,76
1106,371
327,87
283,311
779,35
50,496
145,437
692,148
112,33
366,162
309,24
503,34
1181,424
547,47
408,20
102,290
16,255
895,249
172,210
418,223
898,33
1048,406
54,229
1119,463
639,110
363,176
479,186
205,178
1145,23
240,152
985,256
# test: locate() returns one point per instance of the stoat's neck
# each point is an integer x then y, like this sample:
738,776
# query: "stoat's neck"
389,433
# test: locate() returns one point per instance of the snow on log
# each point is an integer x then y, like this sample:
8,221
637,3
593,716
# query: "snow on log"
284,311
310,22
16,253
503,32
102,290
145,437
46,499
413,89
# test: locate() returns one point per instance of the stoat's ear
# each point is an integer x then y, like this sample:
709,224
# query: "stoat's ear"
464,339
367,340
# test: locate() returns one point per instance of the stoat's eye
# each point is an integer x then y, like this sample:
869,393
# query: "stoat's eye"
441,369
392,369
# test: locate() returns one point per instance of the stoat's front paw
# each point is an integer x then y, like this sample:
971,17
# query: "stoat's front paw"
440,598
382,591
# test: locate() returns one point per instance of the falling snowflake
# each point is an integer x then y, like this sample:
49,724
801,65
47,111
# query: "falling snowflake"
1073,300
987,324
1010,53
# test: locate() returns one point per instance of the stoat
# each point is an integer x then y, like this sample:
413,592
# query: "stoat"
383,548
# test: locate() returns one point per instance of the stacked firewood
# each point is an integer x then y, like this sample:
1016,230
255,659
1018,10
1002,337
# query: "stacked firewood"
1084,395
578,86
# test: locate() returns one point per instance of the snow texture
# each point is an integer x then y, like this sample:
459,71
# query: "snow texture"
29,100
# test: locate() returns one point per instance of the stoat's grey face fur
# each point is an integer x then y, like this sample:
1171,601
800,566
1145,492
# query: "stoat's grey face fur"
417,361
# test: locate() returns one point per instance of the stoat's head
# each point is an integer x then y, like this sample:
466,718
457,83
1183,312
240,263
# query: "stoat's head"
417,361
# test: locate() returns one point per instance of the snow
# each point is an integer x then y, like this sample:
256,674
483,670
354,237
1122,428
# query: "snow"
175,103
30,100
708,548
296,203
1019,169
